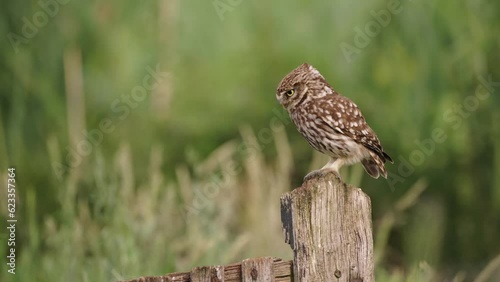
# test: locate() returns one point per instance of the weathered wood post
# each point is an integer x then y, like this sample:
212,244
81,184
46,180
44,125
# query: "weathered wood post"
328,225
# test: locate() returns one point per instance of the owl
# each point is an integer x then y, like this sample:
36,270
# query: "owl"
331,123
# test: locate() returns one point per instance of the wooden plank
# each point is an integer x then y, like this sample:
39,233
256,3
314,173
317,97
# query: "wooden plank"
175,277
257,269
328,225
217,273
171,277
207,274
200,274
281,271
232,272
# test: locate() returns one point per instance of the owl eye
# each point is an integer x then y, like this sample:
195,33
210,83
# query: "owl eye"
290,92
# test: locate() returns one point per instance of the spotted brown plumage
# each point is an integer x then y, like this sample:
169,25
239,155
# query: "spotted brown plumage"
330,122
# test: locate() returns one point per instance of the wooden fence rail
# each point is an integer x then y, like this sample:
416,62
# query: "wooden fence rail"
329,228
255,269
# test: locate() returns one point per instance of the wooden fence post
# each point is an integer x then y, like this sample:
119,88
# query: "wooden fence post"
328,225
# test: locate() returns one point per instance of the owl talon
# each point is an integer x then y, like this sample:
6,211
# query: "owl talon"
321,173
313,174
336,174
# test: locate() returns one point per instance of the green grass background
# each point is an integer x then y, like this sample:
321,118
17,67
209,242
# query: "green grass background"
123,212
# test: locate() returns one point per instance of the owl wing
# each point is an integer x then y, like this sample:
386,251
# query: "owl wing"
344,117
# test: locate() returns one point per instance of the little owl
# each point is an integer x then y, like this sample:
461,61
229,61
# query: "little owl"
330,122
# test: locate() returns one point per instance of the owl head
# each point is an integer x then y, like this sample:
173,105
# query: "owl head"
294,87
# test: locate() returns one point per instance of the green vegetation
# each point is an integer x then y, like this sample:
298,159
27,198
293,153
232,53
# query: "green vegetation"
190,172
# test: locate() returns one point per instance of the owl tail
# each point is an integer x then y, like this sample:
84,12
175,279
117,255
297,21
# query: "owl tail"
374,166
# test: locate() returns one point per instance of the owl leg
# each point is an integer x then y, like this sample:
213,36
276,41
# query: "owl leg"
332,166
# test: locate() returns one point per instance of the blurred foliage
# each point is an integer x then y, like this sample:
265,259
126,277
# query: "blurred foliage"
123,210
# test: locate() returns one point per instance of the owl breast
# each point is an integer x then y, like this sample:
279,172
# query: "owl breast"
311,122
